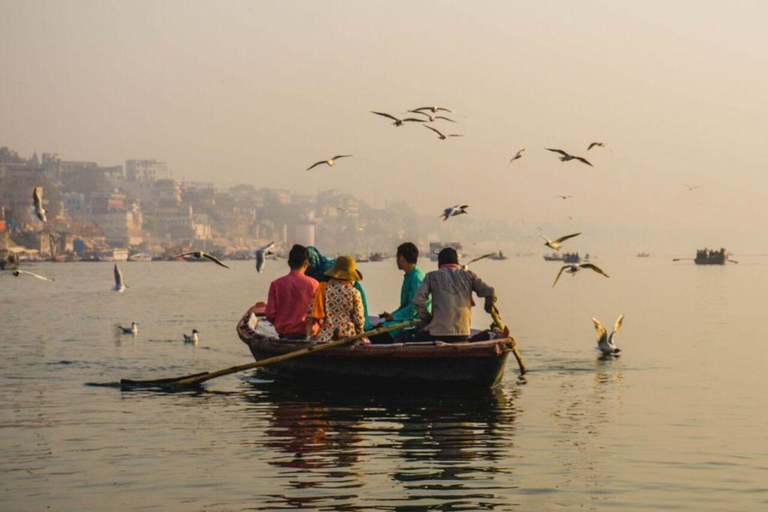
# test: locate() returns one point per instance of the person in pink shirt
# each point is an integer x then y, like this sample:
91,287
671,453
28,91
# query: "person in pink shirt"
290,297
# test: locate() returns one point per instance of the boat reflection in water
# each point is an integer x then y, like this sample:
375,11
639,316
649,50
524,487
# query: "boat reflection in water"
368,449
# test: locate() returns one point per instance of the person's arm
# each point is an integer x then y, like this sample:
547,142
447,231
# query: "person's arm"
359,288
483,290
420,300
270,312
408,311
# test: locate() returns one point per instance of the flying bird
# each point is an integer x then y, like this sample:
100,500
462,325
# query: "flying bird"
605,343
431,117
442,137
466,265
573,269
19,273
690,188
37,200
133,329
434,110
191,338
201,254
453,211
398,121
565,197
556,243
328,162
565,157
119,285
260,254
596,144
518,155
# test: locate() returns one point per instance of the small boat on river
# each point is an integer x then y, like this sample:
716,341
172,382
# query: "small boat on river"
470,363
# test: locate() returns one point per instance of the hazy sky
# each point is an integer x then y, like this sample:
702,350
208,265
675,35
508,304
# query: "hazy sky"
255,92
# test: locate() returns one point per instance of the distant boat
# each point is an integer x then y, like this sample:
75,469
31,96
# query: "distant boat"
711,257
141,256
642,255
436,247
566,257
498,256
377,256
113,255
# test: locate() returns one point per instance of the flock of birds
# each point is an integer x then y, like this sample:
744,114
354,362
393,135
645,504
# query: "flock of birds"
430,114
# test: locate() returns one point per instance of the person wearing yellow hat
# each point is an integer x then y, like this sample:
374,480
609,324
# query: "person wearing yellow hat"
337,306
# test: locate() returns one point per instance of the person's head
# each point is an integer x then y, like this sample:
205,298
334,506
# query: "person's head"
298,258
344,269
447,255
407,255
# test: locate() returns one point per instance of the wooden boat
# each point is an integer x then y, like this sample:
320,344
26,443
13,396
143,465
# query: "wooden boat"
711,257
566,257
477,364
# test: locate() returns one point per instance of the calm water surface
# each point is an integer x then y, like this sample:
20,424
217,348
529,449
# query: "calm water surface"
678,422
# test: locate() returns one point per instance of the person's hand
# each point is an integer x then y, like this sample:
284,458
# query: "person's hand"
386,316
489,304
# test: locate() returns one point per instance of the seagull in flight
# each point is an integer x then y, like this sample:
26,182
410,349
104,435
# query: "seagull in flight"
690,188
398,121
573,269
555,244
518,155
442,137
453,211
192,338
133,329
567,156
328,162
466,265
431,117
119,285
596,144
434,110
565,197
605,342
201,254
37,200
19,273
260,254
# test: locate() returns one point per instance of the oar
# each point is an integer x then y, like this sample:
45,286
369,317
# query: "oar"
497,319
194,380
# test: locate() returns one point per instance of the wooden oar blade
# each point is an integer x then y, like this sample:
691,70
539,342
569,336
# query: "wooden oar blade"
171,384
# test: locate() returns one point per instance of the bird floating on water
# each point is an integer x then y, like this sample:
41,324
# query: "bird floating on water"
565,157
260,254
397,120
37,201
605,343
453,211
19,273
573,269
440,135
555,244
119,285
133,329
431,117
191,338
518,155
201,254
328,162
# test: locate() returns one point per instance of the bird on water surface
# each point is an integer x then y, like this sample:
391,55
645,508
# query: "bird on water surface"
605,343
133,329
191,338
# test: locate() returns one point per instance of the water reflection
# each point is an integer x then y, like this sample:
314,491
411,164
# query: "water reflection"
371,449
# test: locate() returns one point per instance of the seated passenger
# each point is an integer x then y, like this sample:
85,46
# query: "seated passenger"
337,306
451,290
319,264
406,258
290,296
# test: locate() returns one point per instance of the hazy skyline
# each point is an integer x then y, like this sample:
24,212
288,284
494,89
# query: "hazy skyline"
254,92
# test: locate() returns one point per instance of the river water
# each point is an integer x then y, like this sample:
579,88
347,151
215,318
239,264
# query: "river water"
679,421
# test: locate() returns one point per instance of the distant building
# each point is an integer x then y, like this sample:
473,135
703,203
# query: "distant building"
74,203
145,170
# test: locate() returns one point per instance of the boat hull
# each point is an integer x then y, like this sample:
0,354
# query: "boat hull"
475,364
